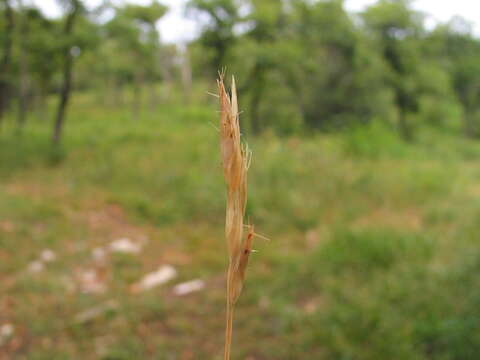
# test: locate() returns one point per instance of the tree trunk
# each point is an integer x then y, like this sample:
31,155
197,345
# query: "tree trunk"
404,127
24,81
119,93
254,114
257,79
137,95
6,59
167,77
151,79
41,106
469,125
106,99
186,72
67,73
153,95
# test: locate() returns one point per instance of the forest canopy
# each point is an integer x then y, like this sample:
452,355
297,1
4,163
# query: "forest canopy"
302,65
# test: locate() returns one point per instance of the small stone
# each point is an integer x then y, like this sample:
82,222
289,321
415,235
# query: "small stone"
164,274
36,266
90,283
48,255
188,287
6,331
98,254
125,245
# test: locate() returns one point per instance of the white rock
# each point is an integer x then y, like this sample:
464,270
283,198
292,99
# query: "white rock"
99,254
90,283
6,331
48,255
125,245
164,274
188,287
36,266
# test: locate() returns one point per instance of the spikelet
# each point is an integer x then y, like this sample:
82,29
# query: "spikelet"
235,160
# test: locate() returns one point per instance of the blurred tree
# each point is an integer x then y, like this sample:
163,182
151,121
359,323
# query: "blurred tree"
218,34
397,29
301,64
332,56
6,57
266,21
73,9
329,72
23,29
133,31
146,17
186,74
459,51
42,55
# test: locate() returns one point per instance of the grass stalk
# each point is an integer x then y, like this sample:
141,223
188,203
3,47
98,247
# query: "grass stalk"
235,160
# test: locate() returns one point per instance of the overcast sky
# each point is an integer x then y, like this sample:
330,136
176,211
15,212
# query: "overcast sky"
174,27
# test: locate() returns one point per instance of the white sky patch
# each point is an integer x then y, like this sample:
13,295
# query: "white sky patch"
436,10
175,27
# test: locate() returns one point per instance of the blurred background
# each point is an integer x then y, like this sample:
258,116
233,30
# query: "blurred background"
364,122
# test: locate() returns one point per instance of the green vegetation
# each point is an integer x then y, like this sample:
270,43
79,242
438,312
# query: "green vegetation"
374,252
302,65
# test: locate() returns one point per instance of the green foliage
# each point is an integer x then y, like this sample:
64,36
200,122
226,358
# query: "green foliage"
301,65
454,44
373,140
218,35
364,252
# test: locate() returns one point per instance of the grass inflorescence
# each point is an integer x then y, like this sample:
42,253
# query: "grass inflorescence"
235,160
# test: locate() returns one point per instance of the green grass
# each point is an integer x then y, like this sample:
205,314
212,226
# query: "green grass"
374,254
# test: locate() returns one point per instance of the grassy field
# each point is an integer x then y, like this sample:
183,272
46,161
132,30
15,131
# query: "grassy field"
374,252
